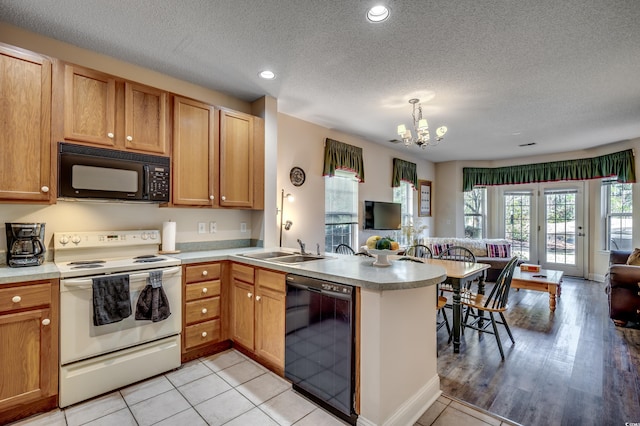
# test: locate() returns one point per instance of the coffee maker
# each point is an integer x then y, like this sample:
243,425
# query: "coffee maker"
25,244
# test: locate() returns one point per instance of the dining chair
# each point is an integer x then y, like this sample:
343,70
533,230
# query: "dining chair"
495,302
344,249
419,250
458,254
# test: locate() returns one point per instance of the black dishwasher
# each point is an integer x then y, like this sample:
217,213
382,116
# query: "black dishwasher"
319,343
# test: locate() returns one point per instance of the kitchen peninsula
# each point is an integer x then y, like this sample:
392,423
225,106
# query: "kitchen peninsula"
396,321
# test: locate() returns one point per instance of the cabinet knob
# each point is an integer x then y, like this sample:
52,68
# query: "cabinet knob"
110,135
204,290
223,198
258,298
211,197
204,334
46,321
204,310
249,295
16,299
129,138
44,189
205,273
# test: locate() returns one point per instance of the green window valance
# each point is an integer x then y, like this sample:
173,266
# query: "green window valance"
620,164
404,171
341,156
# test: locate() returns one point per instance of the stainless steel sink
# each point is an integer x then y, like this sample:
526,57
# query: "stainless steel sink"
267,254
284,256
297,258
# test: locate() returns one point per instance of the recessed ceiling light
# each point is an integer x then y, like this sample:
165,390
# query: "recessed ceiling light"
378,13
267,75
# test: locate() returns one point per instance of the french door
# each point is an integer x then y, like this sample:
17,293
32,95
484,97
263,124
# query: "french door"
545,224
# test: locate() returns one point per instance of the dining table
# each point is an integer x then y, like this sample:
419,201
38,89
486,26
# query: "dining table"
459,275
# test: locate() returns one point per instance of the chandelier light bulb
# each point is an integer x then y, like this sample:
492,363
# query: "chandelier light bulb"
421,129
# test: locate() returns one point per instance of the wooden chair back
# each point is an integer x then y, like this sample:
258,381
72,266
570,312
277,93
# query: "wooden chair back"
344,249
499,295
419,250
458,253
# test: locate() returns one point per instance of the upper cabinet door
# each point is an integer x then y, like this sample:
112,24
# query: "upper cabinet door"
89,106
145,118
236,159
194,159
25,139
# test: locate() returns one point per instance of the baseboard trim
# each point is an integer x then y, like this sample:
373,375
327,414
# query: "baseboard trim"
409,412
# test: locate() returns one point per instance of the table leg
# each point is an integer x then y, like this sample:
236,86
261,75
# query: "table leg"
552,297
481,291
457,315
559,288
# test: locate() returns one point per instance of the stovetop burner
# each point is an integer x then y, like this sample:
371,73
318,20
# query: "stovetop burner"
86,262
87,266
148,259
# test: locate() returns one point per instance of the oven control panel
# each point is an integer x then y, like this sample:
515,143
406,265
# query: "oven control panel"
67,240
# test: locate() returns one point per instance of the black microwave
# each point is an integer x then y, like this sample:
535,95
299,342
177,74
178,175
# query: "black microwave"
86,172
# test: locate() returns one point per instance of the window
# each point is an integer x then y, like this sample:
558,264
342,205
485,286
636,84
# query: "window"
475,213
617,201
341,210
517,222
403,194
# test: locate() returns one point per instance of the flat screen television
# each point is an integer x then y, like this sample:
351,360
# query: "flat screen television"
382,216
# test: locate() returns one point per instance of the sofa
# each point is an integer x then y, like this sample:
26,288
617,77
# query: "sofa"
478,247
623,288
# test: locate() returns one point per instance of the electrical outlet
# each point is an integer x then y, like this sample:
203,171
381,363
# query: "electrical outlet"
243,227
202,228
213,227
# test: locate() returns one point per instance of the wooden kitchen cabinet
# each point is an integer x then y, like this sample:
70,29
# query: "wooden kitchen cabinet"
258,313
236,159
195,162
25,139
202,311
29,317
243,308
102,110
270,315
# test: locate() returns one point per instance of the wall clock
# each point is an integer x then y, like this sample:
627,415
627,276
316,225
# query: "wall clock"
297,176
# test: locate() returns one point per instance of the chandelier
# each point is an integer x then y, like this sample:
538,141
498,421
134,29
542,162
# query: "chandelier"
421,128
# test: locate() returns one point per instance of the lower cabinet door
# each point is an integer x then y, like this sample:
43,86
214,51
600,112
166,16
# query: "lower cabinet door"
25,351
243,313
270,314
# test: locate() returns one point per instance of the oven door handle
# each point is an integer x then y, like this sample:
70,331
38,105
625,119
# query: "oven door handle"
88,282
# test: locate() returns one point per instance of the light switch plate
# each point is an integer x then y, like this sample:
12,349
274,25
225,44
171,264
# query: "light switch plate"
213,227
243,227
202,228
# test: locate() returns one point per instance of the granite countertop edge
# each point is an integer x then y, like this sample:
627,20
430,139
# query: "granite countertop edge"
350,270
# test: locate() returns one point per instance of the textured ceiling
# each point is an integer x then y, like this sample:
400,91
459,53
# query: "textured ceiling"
499,73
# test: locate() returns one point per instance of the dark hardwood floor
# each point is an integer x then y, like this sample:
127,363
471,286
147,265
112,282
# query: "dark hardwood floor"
571,367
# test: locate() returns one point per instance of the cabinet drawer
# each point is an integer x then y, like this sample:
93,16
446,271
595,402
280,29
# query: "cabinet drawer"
198,334
202,290
26,296
202,310
272,280
242,272
195,273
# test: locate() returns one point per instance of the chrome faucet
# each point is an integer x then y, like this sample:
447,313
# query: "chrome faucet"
301,247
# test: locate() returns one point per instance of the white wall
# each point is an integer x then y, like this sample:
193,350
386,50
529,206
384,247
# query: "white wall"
301,144
450,212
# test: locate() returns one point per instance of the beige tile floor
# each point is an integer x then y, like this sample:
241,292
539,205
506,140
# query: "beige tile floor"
229,389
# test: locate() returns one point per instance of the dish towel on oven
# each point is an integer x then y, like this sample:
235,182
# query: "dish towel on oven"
111,300
153,303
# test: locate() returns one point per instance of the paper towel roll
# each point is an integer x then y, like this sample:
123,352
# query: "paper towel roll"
168,236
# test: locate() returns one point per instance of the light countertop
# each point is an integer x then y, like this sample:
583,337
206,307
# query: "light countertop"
357,271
